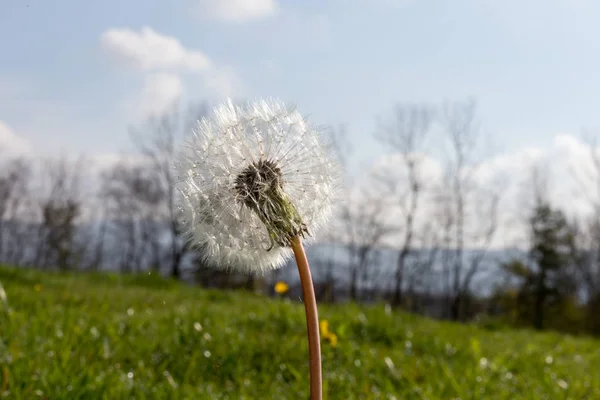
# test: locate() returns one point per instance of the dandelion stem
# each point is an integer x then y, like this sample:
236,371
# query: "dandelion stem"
312,319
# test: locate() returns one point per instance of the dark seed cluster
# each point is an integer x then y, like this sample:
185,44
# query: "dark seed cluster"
260,188
255,182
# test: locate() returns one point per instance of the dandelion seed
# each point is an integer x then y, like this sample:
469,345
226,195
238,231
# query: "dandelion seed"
94,332
207,354
170,379
3,296
130,375
130,311
106,348
390,364
563,384
388,309
197,326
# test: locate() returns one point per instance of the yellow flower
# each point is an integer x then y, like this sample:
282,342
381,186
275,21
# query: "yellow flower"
333,339
281,287
37,287
324,327
328,335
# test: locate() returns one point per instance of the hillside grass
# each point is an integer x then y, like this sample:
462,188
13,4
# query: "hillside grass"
101,336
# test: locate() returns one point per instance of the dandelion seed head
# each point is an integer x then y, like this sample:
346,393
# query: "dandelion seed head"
251,177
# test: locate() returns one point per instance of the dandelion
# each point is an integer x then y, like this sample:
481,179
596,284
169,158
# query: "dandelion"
327,334
333,339
254,181
324,325
37,287
281,288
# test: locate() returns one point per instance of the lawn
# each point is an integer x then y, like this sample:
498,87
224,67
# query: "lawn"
100,336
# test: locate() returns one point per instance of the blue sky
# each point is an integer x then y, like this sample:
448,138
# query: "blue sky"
75,74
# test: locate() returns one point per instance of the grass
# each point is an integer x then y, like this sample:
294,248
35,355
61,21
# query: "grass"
98,336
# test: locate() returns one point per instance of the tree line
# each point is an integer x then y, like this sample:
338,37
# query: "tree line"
415,233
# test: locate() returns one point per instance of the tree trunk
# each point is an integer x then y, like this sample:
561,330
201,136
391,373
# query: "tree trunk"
540,299
398,294
353,289
455,307
538,312
176,267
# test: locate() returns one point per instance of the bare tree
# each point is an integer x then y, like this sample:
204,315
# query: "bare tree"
360,223
98,217
134,196
13,191
588,265
405,135
59,204
420,275
468,212
157,140
365,228
588,234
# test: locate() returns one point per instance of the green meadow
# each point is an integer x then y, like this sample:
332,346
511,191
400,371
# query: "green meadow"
104,336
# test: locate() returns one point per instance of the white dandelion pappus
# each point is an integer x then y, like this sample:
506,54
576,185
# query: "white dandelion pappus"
251,178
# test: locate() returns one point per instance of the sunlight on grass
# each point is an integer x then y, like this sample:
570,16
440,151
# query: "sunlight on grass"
119,337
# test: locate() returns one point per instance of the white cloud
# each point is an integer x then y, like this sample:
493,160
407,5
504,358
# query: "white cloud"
429,170
504,167
163,59
12,144
160,91
236,10
566,161
149,50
